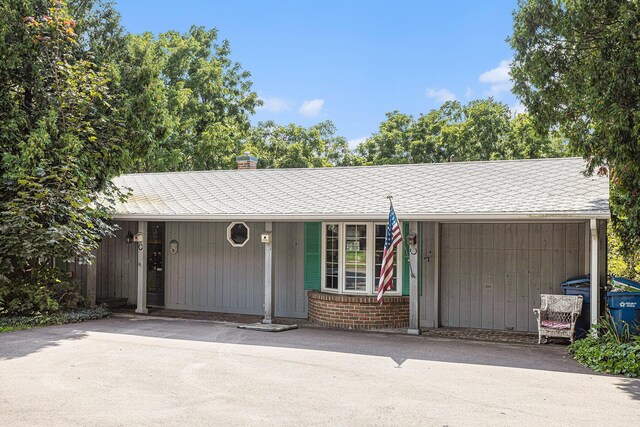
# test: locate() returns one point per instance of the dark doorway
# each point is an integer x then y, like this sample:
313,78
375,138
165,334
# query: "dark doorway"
155,263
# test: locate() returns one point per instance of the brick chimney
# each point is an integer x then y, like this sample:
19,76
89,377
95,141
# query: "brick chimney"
247,161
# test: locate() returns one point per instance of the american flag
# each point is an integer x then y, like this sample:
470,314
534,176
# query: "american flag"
392,239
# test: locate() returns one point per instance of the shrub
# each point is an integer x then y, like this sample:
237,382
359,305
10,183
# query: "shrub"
71,316
609,352
45,291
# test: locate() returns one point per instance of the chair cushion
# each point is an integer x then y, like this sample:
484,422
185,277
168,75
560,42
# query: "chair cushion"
556,324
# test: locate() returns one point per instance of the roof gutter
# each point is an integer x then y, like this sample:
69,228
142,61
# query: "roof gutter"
443,217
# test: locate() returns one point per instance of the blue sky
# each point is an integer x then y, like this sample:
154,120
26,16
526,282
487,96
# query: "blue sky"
351,61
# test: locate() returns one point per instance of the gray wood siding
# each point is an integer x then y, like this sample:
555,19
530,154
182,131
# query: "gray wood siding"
117,265
491,275
79,272
427,274
288,257
116,269
208,274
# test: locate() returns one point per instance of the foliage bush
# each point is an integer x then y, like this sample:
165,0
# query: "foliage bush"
610,352
45,291
621,262
71,316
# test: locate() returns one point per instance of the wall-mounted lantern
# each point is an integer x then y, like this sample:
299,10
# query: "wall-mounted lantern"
173,247
136,238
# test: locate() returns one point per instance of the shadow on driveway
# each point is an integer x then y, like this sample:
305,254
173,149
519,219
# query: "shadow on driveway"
399,348
22,343
631,386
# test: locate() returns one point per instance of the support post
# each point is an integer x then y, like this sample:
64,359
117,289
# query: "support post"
436,275
142,270
414,291
268,276
91,280
595,288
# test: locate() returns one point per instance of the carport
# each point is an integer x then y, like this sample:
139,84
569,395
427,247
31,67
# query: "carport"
490,275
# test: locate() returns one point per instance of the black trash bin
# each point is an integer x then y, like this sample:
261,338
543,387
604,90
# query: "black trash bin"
580,285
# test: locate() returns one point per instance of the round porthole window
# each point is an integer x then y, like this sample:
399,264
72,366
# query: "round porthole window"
238,234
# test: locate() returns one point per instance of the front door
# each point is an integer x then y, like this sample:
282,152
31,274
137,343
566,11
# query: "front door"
155,263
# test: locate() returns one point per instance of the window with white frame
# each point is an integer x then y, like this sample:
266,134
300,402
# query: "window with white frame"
331,256
238,234
352,258
380,235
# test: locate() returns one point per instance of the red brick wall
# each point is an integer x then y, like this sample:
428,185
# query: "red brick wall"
358,312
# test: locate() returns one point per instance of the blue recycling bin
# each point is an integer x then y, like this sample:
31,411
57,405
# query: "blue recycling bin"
625,308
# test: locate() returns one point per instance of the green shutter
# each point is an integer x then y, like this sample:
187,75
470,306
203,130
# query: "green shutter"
406,271
312,255
405,260
420,259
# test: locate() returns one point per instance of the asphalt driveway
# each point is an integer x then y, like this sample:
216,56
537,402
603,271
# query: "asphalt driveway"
141,371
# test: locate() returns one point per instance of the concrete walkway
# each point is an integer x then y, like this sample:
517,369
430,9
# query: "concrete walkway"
141,371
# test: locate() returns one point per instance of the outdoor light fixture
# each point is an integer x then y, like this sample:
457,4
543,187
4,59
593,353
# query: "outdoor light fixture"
265,237
135,238
173,247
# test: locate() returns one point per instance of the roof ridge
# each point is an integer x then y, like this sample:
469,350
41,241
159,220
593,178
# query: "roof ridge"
401,165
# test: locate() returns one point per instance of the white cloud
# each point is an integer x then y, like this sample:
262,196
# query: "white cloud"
468,93
311,108
275,105
500,74
353,143
518,109
498,78
442,95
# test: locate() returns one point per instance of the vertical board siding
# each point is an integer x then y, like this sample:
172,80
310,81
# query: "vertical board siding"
116,269
427,257
208,274
492,275
288,258
79,272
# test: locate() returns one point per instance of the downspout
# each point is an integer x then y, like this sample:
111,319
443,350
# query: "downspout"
595,288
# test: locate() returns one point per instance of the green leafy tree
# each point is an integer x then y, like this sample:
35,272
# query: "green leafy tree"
484,130
480,130
205,99
576,69
62,139
526,142
390,145
294,146
435,136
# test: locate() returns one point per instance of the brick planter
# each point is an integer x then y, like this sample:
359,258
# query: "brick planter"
358,312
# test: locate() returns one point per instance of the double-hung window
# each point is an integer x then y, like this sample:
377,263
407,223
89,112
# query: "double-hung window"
352,258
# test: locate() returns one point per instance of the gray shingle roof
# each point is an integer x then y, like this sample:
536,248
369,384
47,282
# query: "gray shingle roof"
465,190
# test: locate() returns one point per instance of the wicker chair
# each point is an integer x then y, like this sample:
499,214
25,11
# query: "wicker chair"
557,316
